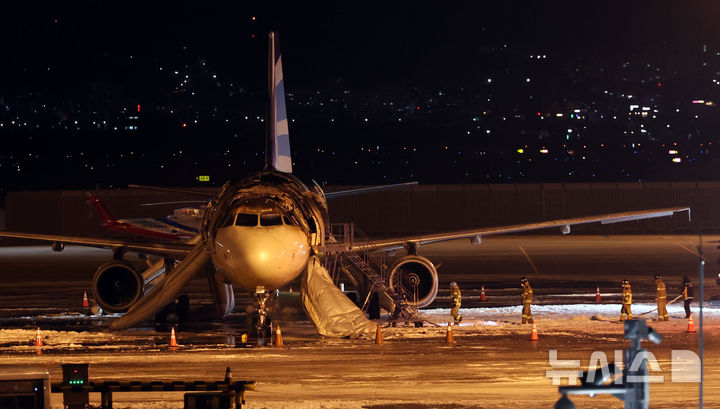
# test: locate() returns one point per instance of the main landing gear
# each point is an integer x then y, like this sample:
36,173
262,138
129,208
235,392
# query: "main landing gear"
175,313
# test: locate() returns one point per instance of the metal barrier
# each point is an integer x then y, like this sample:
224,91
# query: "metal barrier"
76,395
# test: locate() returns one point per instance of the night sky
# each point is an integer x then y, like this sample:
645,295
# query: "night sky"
368,43
56,54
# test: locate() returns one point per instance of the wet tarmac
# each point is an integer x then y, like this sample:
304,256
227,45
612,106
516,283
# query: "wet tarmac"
487,367
477,371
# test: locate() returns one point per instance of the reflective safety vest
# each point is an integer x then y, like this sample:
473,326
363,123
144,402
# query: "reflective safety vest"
687,292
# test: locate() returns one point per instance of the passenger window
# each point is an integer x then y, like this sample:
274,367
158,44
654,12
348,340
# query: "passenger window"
271,219
246,219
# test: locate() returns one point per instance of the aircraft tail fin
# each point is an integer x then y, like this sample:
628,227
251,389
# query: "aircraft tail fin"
108,219
277,151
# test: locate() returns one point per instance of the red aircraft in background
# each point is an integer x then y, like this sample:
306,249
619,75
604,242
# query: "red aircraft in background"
180,226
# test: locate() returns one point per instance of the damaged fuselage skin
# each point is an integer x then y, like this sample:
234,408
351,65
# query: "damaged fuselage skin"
262,230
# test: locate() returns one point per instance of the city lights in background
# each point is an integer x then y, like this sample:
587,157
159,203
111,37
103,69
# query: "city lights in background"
508,123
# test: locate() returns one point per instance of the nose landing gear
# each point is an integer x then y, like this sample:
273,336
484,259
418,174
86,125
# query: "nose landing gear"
261,326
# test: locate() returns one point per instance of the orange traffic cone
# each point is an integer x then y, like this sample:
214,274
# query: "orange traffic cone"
378,335
597,295
449,339
533,333
278,337
691,324
482,293
38,338
85,303
173,340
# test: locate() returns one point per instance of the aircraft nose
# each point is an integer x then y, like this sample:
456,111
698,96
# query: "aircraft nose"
257,258
262,252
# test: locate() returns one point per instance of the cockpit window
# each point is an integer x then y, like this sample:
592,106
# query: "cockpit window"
271,219
246,219
229,220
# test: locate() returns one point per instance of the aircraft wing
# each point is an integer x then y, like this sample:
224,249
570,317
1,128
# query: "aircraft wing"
343,193
476,234
162,249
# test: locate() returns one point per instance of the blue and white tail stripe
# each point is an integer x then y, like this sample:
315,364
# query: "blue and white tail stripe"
278,139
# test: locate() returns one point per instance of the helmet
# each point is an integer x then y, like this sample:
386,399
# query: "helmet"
658,276
523,280
625,282
453,284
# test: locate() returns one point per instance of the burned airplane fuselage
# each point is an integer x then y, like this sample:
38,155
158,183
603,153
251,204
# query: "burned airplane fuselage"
262,230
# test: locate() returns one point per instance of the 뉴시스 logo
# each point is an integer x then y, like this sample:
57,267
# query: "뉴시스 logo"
684,367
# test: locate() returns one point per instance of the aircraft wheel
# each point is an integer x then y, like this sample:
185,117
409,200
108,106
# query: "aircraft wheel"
262,331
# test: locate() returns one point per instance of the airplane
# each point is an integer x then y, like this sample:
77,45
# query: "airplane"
182,225
263,232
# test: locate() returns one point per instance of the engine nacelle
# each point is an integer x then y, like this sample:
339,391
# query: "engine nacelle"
117,285
418,277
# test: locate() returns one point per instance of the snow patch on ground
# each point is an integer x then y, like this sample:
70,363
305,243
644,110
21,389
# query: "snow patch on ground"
51,338
590,320
555,311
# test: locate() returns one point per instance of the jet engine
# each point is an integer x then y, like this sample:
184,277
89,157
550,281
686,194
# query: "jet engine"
117,285
417,277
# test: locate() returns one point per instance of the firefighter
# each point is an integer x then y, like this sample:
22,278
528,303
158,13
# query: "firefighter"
456,299
625,312
527,294
661,298
687,294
